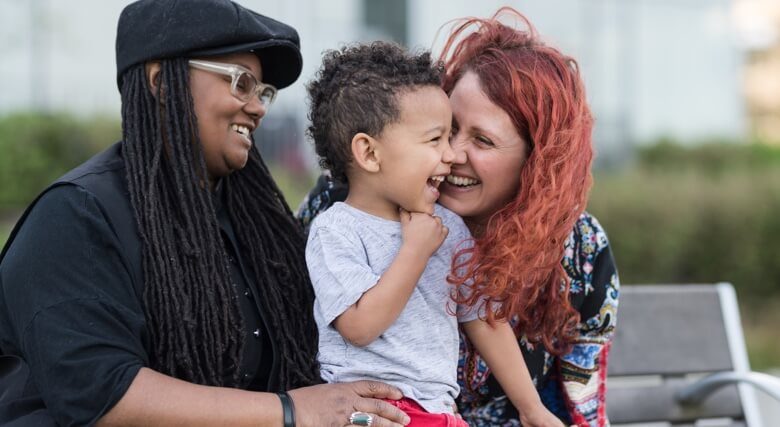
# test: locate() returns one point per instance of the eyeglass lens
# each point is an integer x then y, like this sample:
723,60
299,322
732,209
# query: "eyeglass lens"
246,87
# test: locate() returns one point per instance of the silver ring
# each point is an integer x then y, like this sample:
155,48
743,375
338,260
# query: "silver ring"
361,419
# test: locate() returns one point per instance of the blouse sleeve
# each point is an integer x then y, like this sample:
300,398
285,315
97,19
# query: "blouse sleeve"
69,307
594,286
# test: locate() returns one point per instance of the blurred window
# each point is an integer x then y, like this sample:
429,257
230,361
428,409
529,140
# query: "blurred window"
387,17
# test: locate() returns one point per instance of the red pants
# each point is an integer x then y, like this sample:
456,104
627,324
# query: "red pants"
422,418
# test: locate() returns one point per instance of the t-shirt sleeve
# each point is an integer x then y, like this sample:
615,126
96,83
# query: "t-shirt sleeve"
70,309
458,239
467,313
339,270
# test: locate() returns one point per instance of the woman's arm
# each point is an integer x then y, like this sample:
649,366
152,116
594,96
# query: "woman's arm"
498,346
157,399
70,309
594,291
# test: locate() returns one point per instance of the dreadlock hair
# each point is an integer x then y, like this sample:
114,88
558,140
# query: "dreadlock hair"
191,308
357,89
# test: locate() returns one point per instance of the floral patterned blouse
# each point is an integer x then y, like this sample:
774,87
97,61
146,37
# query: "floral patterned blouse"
572,386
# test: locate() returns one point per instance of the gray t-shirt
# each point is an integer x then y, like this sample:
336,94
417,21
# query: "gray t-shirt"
347,252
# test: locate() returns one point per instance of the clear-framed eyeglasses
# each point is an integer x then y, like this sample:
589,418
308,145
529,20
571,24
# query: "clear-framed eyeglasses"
243,84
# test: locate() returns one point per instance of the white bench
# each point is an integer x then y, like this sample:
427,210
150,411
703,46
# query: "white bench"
679,359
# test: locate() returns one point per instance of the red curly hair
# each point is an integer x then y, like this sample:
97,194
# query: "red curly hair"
516,261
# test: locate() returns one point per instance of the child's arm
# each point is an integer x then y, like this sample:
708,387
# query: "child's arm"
498,346
381,305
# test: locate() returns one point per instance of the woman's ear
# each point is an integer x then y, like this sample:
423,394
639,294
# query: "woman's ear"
152,69
364,152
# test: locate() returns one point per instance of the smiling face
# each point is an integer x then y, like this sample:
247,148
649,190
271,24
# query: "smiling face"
225,123
414,154
489,154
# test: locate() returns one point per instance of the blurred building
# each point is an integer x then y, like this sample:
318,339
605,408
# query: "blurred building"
653,68
759,23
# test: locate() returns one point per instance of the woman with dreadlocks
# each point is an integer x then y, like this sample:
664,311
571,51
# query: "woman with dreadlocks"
163,281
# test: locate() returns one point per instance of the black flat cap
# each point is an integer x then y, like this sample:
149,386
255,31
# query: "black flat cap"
160,29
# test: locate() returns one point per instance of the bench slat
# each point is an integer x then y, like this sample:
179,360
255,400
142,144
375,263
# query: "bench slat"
637,404
687,319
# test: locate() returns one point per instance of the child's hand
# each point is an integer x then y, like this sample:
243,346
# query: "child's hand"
422,233
540,417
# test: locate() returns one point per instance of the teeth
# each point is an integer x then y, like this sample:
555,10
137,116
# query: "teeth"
461,181
438,178
243,130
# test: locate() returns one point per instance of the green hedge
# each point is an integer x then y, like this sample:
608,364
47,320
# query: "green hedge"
704,214
676,215
35,149
679,228
709,157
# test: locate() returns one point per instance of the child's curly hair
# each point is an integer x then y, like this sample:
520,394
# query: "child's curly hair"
357,90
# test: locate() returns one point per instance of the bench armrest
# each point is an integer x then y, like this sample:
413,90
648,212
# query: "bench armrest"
698,391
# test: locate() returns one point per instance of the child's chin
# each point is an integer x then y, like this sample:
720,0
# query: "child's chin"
429,209
422,206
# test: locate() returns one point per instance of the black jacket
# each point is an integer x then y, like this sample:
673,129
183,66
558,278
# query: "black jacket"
72,327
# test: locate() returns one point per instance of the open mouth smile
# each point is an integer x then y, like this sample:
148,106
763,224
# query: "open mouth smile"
462,181
242,130
434,182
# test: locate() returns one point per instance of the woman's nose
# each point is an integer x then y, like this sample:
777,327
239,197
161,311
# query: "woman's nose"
255,108
458,148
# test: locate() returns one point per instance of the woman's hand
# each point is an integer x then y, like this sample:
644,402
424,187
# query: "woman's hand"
330,405
540,417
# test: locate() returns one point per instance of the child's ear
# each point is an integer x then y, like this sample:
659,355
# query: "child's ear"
364,152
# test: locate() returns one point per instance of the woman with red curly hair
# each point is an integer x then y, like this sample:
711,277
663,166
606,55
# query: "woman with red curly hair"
522,138
522,135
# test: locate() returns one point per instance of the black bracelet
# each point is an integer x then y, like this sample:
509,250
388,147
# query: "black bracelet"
288,409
